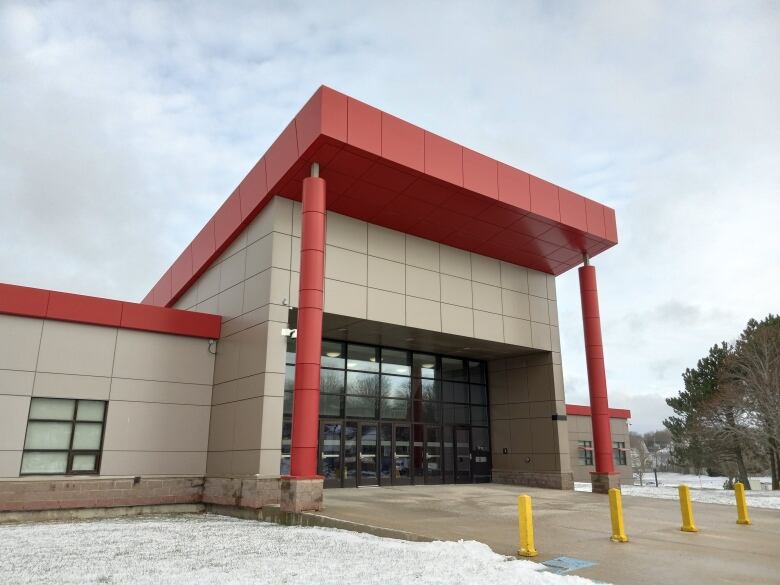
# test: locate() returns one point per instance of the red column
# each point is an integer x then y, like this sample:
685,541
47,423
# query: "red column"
597,378
306,401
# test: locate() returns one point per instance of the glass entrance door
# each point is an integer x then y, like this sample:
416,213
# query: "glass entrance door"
402,460
331,467
368,450
462,455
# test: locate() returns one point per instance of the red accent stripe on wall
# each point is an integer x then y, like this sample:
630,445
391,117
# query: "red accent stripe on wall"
582,410
26,301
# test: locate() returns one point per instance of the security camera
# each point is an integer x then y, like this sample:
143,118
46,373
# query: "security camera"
293,333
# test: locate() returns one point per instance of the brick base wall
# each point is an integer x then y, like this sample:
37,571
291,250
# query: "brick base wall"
58,494
557,481
244,492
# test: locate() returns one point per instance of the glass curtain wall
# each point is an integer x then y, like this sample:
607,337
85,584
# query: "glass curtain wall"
390,416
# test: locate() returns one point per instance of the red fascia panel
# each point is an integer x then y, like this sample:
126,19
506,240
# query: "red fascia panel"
356,144
84,309
443,159
174,321
582,410
25,301
181,271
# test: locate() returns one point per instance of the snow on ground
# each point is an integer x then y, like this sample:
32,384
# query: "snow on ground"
704,489
214,550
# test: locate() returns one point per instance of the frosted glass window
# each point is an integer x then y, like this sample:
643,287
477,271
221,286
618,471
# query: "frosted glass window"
48,435
64,436
91,410
87,436
52,409
42,462
84,462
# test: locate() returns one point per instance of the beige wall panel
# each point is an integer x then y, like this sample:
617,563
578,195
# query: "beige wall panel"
16,382
141,426
386,275
271,424
515,304
386,243
296,219
280,286
551,293
266,384
230,302
485,270
252,346
422,253
208,284
189,299
166,392
387,307
295,284
225,392
222,426
539,310
277,216
500,438
423,314
260,255
552,309
488,326
232,270
346,232
543,435
238,244
295,254
345,265
457,320
520,436
13,422
342,298
454,262
71,348
257,291
19,342
486,297
456,291
153,463
537,284
541,336
269,462
10,463
71,386
246,462
514,277
226,360
517,331
422,283
169,358
219,463
249,418
209,306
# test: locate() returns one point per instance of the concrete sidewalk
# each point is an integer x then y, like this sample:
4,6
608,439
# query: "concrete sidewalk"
577,524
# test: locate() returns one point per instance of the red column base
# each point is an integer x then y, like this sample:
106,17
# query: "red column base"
603,482
299,494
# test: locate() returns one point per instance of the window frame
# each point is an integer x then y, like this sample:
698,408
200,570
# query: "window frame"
70,451
585,452
619,453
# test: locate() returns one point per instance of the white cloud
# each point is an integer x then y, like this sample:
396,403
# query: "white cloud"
124,126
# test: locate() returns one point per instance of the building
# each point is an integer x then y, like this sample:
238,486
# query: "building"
581,443
372,305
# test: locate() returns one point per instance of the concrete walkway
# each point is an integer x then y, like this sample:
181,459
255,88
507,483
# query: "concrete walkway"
577,524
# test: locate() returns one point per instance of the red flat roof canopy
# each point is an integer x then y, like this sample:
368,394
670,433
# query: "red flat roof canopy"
388,172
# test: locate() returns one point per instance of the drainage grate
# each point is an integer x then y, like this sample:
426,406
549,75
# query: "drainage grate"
562,565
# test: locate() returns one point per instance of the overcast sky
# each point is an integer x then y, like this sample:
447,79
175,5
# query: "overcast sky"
123,128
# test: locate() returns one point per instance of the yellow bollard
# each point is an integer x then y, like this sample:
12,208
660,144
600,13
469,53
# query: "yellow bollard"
688,525
616,512
742,510
526,525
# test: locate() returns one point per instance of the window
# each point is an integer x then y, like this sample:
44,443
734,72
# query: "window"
63,436
585,452
619,452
